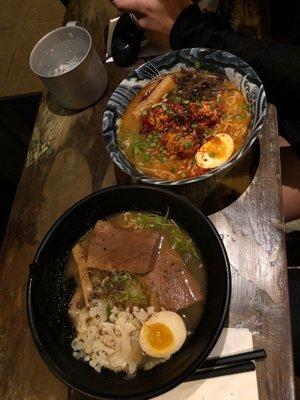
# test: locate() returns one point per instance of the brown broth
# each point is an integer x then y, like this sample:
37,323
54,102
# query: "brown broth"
192,314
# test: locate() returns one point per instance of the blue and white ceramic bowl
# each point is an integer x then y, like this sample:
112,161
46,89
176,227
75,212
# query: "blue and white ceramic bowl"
227,64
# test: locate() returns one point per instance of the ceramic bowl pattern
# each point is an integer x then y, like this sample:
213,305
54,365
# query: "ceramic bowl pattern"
233,68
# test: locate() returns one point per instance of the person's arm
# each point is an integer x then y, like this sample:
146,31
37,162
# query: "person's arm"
154,15
278,65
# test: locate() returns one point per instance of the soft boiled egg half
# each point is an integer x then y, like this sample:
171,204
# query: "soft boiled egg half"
215,151
162,334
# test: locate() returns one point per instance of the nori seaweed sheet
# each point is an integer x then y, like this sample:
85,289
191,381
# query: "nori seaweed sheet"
51,294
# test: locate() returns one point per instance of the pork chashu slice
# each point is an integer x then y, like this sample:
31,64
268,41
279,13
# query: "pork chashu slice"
117,249
171,281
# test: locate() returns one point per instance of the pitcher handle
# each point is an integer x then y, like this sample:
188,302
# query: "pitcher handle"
73,23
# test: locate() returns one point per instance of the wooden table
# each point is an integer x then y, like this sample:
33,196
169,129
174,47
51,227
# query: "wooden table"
66,161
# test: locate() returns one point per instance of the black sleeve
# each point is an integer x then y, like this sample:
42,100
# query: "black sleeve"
278,65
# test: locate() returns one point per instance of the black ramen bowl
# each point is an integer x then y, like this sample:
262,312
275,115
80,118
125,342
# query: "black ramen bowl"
48,294
230,66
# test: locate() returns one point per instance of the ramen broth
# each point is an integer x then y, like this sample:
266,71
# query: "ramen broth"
183,124
122,292
175,238
187,249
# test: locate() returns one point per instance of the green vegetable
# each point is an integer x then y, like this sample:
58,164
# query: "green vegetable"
137,148
182,243
177,98
179,240
211,154
123,289
109,309
170,112
147,157
151,221
241,116
195,125
198,64
225,115
187,145
156,105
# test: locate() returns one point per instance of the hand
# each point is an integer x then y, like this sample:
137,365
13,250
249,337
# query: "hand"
154,15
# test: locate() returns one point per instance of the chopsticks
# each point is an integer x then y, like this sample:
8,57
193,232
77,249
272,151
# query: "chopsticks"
221,371
220,366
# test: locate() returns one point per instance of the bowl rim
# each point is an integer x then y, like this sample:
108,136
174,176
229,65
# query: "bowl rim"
56,369
251,137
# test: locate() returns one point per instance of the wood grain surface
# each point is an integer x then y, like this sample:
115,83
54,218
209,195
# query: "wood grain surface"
252,229
66,161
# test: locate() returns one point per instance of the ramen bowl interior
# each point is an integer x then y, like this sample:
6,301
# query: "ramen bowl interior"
49,294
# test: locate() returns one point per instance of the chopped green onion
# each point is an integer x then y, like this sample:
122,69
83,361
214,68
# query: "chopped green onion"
170,112
155,105
195,125
241,116
211,154
187,145
147,157
180,241
198,64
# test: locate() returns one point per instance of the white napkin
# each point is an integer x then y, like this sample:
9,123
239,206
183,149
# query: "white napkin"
231,387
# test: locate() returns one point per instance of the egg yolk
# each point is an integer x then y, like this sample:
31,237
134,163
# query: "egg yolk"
159,336
216,146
